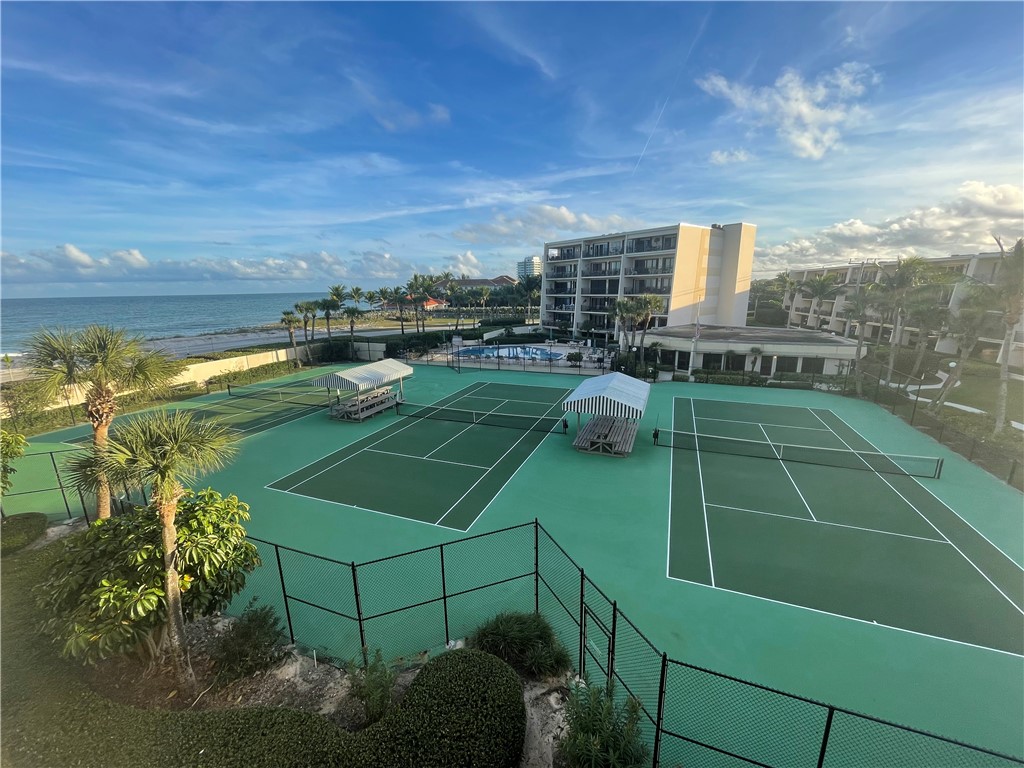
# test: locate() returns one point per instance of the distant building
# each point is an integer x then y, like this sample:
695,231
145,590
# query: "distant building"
831,315
531,266
696,269
476,283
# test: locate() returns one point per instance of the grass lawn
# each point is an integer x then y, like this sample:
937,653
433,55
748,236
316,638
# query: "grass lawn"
983,391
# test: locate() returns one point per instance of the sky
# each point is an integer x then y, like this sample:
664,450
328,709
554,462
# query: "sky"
175,148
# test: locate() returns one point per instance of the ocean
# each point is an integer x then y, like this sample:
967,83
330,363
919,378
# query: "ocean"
153,317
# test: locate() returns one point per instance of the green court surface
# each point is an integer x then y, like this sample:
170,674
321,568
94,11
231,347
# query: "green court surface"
431,469
855,542
805,558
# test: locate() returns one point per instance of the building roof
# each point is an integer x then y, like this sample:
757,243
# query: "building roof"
613,394
750,337
369,376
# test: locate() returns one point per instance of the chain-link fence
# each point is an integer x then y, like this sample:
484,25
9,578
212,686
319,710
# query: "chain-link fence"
414,603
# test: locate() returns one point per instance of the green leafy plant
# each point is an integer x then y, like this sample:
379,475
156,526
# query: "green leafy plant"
602,732
372,685
251,644
525,641
21,530
106,594
12,446
574,359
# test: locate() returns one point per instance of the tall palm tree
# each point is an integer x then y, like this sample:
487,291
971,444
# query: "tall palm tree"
927,314
303,309
787,285
456,299
291,321
329,307
818,289
105,362
647,305
356,294
165,451
858,307
628,314
352,314
373,298
896,286
967,323
1008,292
398,293
485,294
339,293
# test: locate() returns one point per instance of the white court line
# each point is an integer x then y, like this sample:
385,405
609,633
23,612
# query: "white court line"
521,465
411,423
703,502
351,506
851,618
762,424
526,433
932,494
671,472
509,400
907,501
786,470
461,432
826,522
422,458
759,405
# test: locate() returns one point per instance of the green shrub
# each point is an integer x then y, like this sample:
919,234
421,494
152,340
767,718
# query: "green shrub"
574,359
680,376
18,531
789,385
465,708
250,375
372,685
525,641
602,732
251,644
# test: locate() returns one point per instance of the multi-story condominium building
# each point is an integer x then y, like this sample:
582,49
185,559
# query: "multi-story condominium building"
830,315
529,267
695,269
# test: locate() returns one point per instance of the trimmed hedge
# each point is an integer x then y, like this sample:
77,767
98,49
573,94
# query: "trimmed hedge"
464,708
790,385
525,641
18,531
251,375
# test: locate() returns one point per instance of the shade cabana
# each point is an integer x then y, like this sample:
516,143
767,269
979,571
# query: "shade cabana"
617,402
364,377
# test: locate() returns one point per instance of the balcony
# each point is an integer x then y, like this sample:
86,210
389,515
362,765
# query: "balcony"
593,272
561,274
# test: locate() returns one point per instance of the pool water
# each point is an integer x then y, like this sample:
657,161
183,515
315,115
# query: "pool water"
513,352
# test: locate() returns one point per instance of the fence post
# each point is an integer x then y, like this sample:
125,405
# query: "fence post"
60,484
824,737
942,428
359,615
974,444
284,593
536,566
661,711
85,512
846,379
917,396
1013,471
611,642
583,621
878,388
444,597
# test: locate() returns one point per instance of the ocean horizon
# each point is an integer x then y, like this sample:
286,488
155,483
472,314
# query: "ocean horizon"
152,317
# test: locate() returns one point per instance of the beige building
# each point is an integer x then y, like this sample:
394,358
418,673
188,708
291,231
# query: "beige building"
830,315
705,269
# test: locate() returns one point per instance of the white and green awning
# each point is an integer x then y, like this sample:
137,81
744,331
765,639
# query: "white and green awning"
363,377
613,394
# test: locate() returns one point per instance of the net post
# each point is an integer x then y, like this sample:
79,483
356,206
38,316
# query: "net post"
583,621
284,594
60,484
444,597
536,566
660,718
359,616
938,468
611,643
1013,471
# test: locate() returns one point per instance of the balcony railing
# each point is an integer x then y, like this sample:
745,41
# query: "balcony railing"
601,272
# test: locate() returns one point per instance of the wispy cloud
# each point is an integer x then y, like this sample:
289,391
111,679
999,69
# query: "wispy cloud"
390,113
728,156
808,116
495,22
537,223
75,74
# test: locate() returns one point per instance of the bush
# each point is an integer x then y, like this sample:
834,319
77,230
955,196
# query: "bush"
19,531
602,732
465,708
251,375
680,376
789,385
574,359
251,644
372,685
525,641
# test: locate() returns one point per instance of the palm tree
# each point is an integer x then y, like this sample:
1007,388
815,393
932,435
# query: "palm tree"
755,352
647,305
1008,292
927,314
373,298
339,293
165,450
398,293
858,307
291,321
356,294
896,286
456,297
967,323
329,307
352,314
788,287
302,308
817,289
485,294
105,362
628,313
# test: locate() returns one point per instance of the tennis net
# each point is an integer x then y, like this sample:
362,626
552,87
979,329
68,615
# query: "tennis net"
870,461
319,397
486,418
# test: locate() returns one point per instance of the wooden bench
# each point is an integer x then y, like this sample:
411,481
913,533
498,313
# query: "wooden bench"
364,405
606,435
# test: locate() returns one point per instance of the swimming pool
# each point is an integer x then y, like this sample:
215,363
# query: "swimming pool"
517,352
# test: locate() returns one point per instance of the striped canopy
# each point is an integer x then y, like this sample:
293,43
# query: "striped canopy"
613,394
369,376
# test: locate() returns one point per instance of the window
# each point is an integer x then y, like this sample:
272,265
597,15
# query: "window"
712,361
813,365
786,364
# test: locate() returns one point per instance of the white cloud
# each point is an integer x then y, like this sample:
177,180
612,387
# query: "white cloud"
391,114
808,116
497,24
463,264
132,257
77,75
76,256
439,113
537,223
964,225
727,156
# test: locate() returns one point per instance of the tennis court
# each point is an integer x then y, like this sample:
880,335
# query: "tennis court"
793,505
441,463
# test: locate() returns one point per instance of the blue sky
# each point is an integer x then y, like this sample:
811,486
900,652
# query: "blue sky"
158,148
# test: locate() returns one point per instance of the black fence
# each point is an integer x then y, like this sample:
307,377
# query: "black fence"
416,602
